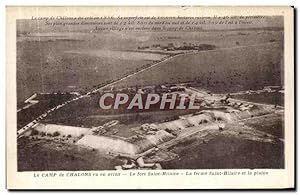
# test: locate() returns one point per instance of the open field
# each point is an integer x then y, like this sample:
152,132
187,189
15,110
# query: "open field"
86,112
38,155
226,153
226,149
45,63
223,70
121,55
272,124
51,69
266,98
46,102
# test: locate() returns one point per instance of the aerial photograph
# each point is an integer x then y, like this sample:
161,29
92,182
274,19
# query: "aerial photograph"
150,94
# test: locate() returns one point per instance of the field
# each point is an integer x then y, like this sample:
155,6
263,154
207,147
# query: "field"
46,102
273,124
37,155
44,66
223,70
86,112
227,153
52,62
221,151
265,98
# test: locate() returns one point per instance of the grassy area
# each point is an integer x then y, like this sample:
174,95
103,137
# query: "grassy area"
265,97
45,65
46,102
220,70
232,147
272,124
227,153
86,112
43,155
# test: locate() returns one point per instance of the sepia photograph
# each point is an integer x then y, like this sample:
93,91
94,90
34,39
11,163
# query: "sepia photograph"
151,93
235,71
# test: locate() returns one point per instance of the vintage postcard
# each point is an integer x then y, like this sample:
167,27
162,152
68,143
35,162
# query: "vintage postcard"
150,97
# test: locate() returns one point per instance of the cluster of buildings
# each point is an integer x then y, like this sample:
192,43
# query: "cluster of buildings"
158,89
184,46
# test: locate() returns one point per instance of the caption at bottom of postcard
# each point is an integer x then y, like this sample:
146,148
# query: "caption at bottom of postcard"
137,173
